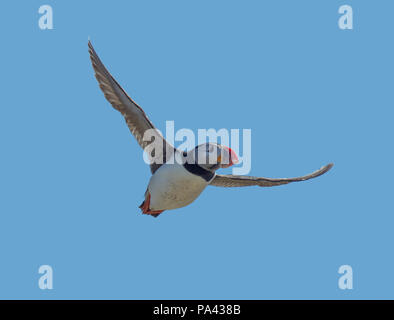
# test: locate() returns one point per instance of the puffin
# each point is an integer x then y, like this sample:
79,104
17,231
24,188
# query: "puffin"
178,177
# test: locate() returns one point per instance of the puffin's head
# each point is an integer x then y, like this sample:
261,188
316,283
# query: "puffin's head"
212,156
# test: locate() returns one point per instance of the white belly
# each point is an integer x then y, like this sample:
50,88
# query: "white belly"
172,186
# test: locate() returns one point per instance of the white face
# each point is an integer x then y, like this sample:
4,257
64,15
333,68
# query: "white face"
212,156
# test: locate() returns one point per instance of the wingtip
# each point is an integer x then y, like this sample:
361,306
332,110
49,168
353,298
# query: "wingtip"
329,166
326,168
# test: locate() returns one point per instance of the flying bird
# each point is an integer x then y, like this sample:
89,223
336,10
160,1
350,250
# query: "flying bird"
178,177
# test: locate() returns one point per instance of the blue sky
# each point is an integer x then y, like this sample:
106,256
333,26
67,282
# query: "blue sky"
72,176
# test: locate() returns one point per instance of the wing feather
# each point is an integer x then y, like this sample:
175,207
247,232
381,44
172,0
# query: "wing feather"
135,117
245,181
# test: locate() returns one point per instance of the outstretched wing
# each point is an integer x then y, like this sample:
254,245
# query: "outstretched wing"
245,181
135,117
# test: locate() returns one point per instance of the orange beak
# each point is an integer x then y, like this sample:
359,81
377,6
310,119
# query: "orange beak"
233,158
